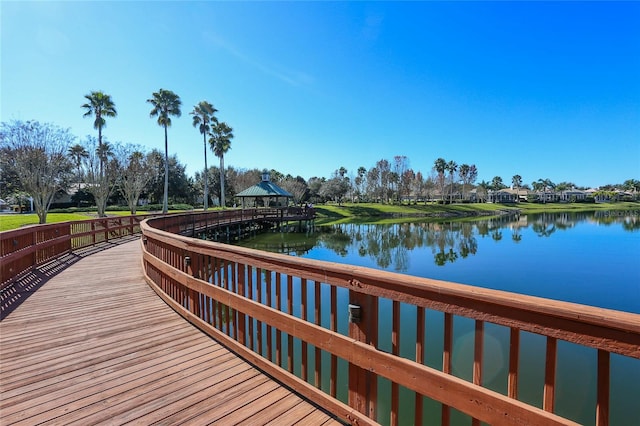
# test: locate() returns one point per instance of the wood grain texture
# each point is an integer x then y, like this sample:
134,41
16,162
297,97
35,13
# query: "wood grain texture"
95,344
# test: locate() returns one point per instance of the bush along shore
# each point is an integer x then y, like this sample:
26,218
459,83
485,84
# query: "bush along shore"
390,211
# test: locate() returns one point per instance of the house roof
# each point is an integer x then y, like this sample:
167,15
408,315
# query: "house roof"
264,189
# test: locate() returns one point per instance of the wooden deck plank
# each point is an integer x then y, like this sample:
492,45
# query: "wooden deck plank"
95,344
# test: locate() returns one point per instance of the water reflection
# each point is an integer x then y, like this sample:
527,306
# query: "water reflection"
389,245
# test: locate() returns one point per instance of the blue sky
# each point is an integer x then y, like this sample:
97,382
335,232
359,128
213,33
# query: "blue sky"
540,89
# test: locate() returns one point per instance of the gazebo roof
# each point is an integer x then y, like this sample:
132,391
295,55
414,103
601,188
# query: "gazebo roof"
264,189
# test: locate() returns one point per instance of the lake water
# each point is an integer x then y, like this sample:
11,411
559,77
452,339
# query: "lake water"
587,258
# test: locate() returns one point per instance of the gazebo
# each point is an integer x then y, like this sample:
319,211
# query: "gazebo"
265,190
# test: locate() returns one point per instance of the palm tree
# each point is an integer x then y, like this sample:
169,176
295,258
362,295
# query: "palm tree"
516,181
100,106
220,143
465,169
77,152
202,116
440,166
165,103
451,167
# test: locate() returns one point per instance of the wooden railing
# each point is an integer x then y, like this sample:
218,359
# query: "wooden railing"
192,224
322,327
23,249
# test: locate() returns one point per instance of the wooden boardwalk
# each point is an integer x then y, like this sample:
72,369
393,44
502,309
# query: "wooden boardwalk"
96,345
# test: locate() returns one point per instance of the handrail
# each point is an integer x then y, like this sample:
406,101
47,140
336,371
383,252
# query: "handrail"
23,249
264,305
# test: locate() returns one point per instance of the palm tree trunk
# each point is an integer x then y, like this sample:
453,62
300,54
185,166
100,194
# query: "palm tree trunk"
222,201
165,204
100,150
205,176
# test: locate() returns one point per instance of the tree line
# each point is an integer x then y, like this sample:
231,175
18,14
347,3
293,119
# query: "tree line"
42,160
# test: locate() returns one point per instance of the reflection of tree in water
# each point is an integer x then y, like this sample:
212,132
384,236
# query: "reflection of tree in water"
389,245
630,221
516,236
336,239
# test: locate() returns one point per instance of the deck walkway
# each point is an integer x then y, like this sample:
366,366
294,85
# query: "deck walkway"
95,344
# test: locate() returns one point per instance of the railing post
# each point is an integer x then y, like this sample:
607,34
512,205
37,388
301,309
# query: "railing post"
363,327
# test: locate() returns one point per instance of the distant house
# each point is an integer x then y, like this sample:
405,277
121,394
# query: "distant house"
508,195
547,196
571,195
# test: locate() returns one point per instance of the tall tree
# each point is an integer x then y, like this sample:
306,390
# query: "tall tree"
516,181
440,166
220,142
203,116
37,154
136,171
165,104
359,182
496,183
101,172
78,153
452,168
468,174
99,105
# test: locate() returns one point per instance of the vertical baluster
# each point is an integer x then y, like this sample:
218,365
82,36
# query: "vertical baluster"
395,349
550,374
290,312
420,353
241,327
477,358
269,328
250,295
446,360
317,316
259,300
279,308
334,327
220,281
514,360
602,405
196,266
363,385
303,315
231,283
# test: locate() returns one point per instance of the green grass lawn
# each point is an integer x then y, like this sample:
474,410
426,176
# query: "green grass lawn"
350,211
14,221
366,212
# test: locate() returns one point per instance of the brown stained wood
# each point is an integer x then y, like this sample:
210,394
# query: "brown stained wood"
602,403
250,297
303,314
395,349
613,331
317,372
104,346
447,359
220,283
420,358
279,307
258,298
548,398
333,379
514,361
477,358
269,328
484,404
602,329
242,318
290,312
